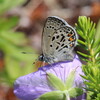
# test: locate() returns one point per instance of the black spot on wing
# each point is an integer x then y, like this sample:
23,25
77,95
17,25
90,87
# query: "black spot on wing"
57,36
57,47
63,48
58,43
68,29
62,45
53,38
52,27
50,45
64,52
62,38
49,36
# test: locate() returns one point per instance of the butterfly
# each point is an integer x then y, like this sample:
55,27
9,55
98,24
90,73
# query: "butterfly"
58,41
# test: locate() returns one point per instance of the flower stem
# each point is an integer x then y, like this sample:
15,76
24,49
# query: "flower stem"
67,95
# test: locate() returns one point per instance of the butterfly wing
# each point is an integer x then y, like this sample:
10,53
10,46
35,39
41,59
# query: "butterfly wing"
62,43
51,25
59,40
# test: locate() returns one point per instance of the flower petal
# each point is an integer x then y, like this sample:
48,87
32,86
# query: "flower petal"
31,86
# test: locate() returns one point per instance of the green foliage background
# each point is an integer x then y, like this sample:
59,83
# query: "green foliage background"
90,43
12,44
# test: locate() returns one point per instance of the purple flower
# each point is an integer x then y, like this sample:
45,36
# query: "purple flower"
33,85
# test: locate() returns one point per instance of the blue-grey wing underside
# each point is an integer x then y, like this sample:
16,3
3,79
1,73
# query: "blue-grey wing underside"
58,40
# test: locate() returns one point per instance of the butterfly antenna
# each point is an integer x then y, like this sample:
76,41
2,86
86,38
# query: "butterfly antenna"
31,53
28,53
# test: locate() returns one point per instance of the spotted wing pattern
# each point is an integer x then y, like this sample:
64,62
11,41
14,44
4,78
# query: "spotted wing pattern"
62,44
59,40
51,25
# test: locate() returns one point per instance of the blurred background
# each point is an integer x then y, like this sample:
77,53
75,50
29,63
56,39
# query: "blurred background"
21,24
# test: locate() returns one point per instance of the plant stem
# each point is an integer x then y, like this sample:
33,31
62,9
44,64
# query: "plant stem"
90,49
67,97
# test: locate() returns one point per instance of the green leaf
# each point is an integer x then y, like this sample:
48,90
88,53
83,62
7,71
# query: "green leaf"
14,37
16,63
82,54
98,59
91,44
84,59
16,66
92,31
54,95
90,84
97,34
95,71
98,96
80,32
85,77
82,42
74,92
97,50
8,23
70,79
96,43
55,82
92,78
